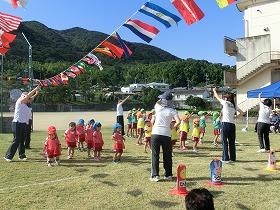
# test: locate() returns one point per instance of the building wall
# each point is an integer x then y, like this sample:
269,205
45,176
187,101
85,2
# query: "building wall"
260,17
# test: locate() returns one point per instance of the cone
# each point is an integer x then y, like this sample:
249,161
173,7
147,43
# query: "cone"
215,173
271,166
180,189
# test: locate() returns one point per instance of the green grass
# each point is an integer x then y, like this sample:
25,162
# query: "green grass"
84,184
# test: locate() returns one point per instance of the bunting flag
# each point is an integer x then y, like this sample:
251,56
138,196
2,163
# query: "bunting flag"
110,50
3,50
91,59
75,70
189,10
9,22
18,3
5,40
160,14
127,52
70,73
64,78
224,3
141,29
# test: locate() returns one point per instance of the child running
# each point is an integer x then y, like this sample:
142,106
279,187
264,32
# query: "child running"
148,135
97,141
184,130
217,127
174,135
52,147
80,128
195,133
71,138
118,143
89,136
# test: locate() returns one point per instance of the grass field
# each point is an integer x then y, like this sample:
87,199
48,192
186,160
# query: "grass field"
83,184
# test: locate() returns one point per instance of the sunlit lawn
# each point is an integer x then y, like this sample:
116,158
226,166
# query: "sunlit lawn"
84,184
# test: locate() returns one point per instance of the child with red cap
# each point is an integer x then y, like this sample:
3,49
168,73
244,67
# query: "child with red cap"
71,138
118,139
52,147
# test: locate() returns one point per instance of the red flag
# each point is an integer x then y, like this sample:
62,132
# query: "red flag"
3,50
18,3
64,78
70,74
117,51
75,70
6,39
189,10
105,51
9,22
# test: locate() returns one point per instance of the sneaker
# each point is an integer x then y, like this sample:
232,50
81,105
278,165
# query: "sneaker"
115,161
168,178
56,163
195,151
261,151
69,157
155,179
225,161
23,159
215,145
50,164
7,159
173,154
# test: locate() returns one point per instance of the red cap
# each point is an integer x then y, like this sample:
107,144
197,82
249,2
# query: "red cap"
51,130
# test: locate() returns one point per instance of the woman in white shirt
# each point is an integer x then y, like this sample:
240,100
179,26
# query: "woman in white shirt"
19,125
120,113
263,126
228,131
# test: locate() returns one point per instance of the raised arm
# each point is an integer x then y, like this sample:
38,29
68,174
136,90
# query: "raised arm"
122,102
216,94
30,94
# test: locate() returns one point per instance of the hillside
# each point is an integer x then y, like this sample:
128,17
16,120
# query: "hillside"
50,45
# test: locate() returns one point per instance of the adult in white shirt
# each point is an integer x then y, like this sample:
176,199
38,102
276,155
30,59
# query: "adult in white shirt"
228,131
19,125
120,113
263,126
161,135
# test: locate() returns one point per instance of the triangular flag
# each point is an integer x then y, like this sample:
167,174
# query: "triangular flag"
64,78
126,50
91,59
113,48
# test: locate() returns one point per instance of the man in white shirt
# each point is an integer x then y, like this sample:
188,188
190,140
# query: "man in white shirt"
120,113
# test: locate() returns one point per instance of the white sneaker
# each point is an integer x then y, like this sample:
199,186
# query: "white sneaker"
155,179
195,151
22,159
7,159
168,178
261,151
225,161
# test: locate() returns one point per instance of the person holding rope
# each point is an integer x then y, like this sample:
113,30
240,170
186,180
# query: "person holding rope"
120,113
19,125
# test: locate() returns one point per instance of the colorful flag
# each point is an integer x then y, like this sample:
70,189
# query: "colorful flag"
110,50
18,3
45,83
189,10
91,59
126,50
64,78
70,73
9,22
6,39
141,29
75,70
224,3
160,14
105,51
3,50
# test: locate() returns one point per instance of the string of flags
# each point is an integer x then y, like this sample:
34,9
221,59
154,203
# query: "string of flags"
113,46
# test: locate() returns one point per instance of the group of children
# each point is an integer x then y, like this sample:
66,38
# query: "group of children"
78,134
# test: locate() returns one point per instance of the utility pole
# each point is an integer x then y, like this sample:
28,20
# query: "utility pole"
30,72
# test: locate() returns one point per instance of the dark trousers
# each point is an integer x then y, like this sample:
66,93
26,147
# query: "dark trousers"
19,131
263,135
120,120
165,142
228,141
28,135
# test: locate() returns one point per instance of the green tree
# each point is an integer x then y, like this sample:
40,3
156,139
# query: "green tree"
197,102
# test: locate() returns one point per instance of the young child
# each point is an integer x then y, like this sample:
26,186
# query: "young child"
129,124
118,142
140,128
195,133
89,136
174,135
217,127
52,147
97,140
80,128
71,138
148,135
134,123
202,125
184,130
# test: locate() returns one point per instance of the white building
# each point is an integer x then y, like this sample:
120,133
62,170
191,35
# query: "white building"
258,53
139,87
159,86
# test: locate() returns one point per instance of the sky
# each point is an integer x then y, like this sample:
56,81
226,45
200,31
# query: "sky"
202,40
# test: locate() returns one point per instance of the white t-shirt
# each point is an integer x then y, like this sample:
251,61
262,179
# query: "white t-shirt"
264,114
119,110
163,118
228,111
22,112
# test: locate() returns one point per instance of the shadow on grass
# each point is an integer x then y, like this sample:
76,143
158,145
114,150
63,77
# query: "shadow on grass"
94,176
163,204
217,193
241,206
71,165
137,160
250,169
111,184
251,161
81,170
135,193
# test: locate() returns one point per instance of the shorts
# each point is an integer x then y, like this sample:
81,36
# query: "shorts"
134,125
195,139
89,145
129,126
52,154
140,130
82,138
119,150
173,142
183,136
147,139
97,148
202,130
71,144
217,132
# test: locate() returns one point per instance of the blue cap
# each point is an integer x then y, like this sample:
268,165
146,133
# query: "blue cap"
116,126
96,124
167,95
81,122
91,122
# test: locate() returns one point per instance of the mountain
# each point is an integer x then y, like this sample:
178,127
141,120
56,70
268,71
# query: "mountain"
50,45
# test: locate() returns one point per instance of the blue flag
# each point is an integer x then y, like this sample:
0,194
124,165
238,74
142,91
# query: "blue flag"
126,50
160,14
